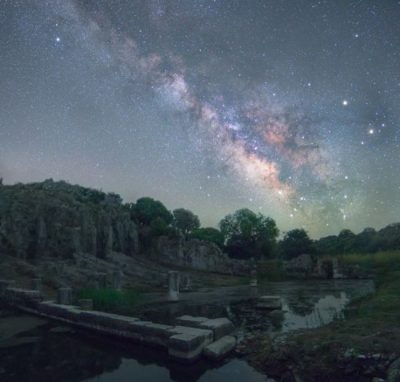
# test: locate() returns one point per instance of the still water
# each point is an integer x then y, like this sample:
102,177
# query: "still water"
33,349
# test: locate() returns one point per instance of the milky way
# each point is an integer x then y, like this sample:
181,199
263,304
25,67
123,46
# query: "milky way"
288,108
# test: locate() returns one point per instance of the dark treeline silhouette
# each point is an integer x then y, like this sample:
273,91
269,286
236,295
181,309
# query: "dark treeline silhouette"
60,218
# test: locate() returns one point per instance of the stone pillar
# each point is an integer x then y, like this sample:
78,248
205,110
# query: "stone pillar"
253,278
64,296
116,281
36,284
173,286
85,304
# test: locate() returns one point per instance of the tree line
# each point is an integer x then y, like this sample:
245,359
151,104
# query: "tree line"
245,234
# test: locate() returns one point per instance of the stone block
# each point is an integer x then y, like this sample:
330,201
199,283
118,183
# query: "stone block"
207,334
220,348
85,304
187,320
23,297
63,312
219,326
153,333
188,343
107,320
269,302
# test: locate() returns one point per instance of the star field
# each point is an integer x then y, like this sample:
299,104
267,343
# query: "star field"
287,108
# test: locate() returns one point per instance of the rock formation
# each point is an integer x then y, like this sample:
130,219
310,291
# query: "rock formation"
57,219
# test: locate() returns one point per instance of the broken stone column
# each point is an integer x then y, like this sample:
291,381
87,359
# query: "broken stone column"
36,284
64,296
173,286
116,281
85,304
253,278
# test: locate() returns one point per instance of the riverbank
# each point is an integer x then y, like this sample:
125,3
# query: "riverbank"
362,347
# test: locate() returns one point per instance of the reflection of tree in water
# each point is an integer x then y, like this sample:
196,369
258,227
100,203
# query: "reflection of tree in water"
301,303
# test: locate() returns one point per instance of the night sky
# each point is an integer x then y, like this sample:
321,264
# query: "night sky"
289,108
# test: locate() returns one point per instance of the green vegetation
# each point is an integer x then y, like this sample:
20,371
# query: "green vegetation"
209,234
185,220
331,352
367,241
295,243
248,234
59,219
384,306
111,300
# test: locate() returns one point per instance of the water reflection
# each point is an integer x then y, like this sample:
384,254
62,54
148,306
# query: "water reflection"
44,351
306,315
305,304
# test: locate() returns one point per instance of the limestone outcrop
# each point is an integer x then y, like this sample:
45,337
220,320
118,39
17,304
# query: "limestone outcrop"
57,219
199,255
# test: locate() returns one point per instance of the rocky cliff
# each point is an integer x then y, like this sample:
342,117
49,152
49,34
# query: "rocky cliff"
57,219
199,255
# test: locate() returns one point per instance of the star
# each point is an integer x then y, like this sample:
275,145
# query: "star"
345,102
58,39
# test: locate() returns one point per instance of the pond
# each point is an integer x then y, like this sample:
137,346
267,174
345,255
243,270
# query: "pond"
33,349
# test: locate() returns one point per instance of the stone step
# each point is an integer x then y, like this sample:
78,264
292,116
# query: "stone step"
220,326
186,344
221,348
269,302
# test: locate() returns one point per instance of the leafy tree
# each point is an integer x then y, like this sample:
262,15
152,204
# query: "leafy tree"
209,234
346,241
147,209
295,243
185,220
248,234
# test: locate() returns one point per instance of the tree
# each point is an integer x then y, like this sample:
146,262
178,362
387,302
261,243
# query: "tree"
247,234
209,234
185,220
346,241
147,209
295,243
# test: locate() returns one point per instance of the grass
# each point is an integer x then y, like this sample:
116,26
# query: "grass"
379,263
111,300
371,326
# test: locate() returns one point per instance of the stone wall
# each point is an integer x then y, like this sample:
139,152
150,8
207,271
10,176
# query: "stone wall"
198,255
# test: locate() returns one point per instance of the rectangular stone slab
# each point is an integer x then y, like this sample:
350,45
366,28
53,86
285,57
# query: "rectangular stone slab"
186,347
107,320
207,334
187,320
220,327
220,348
151,333
63,312
269,302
